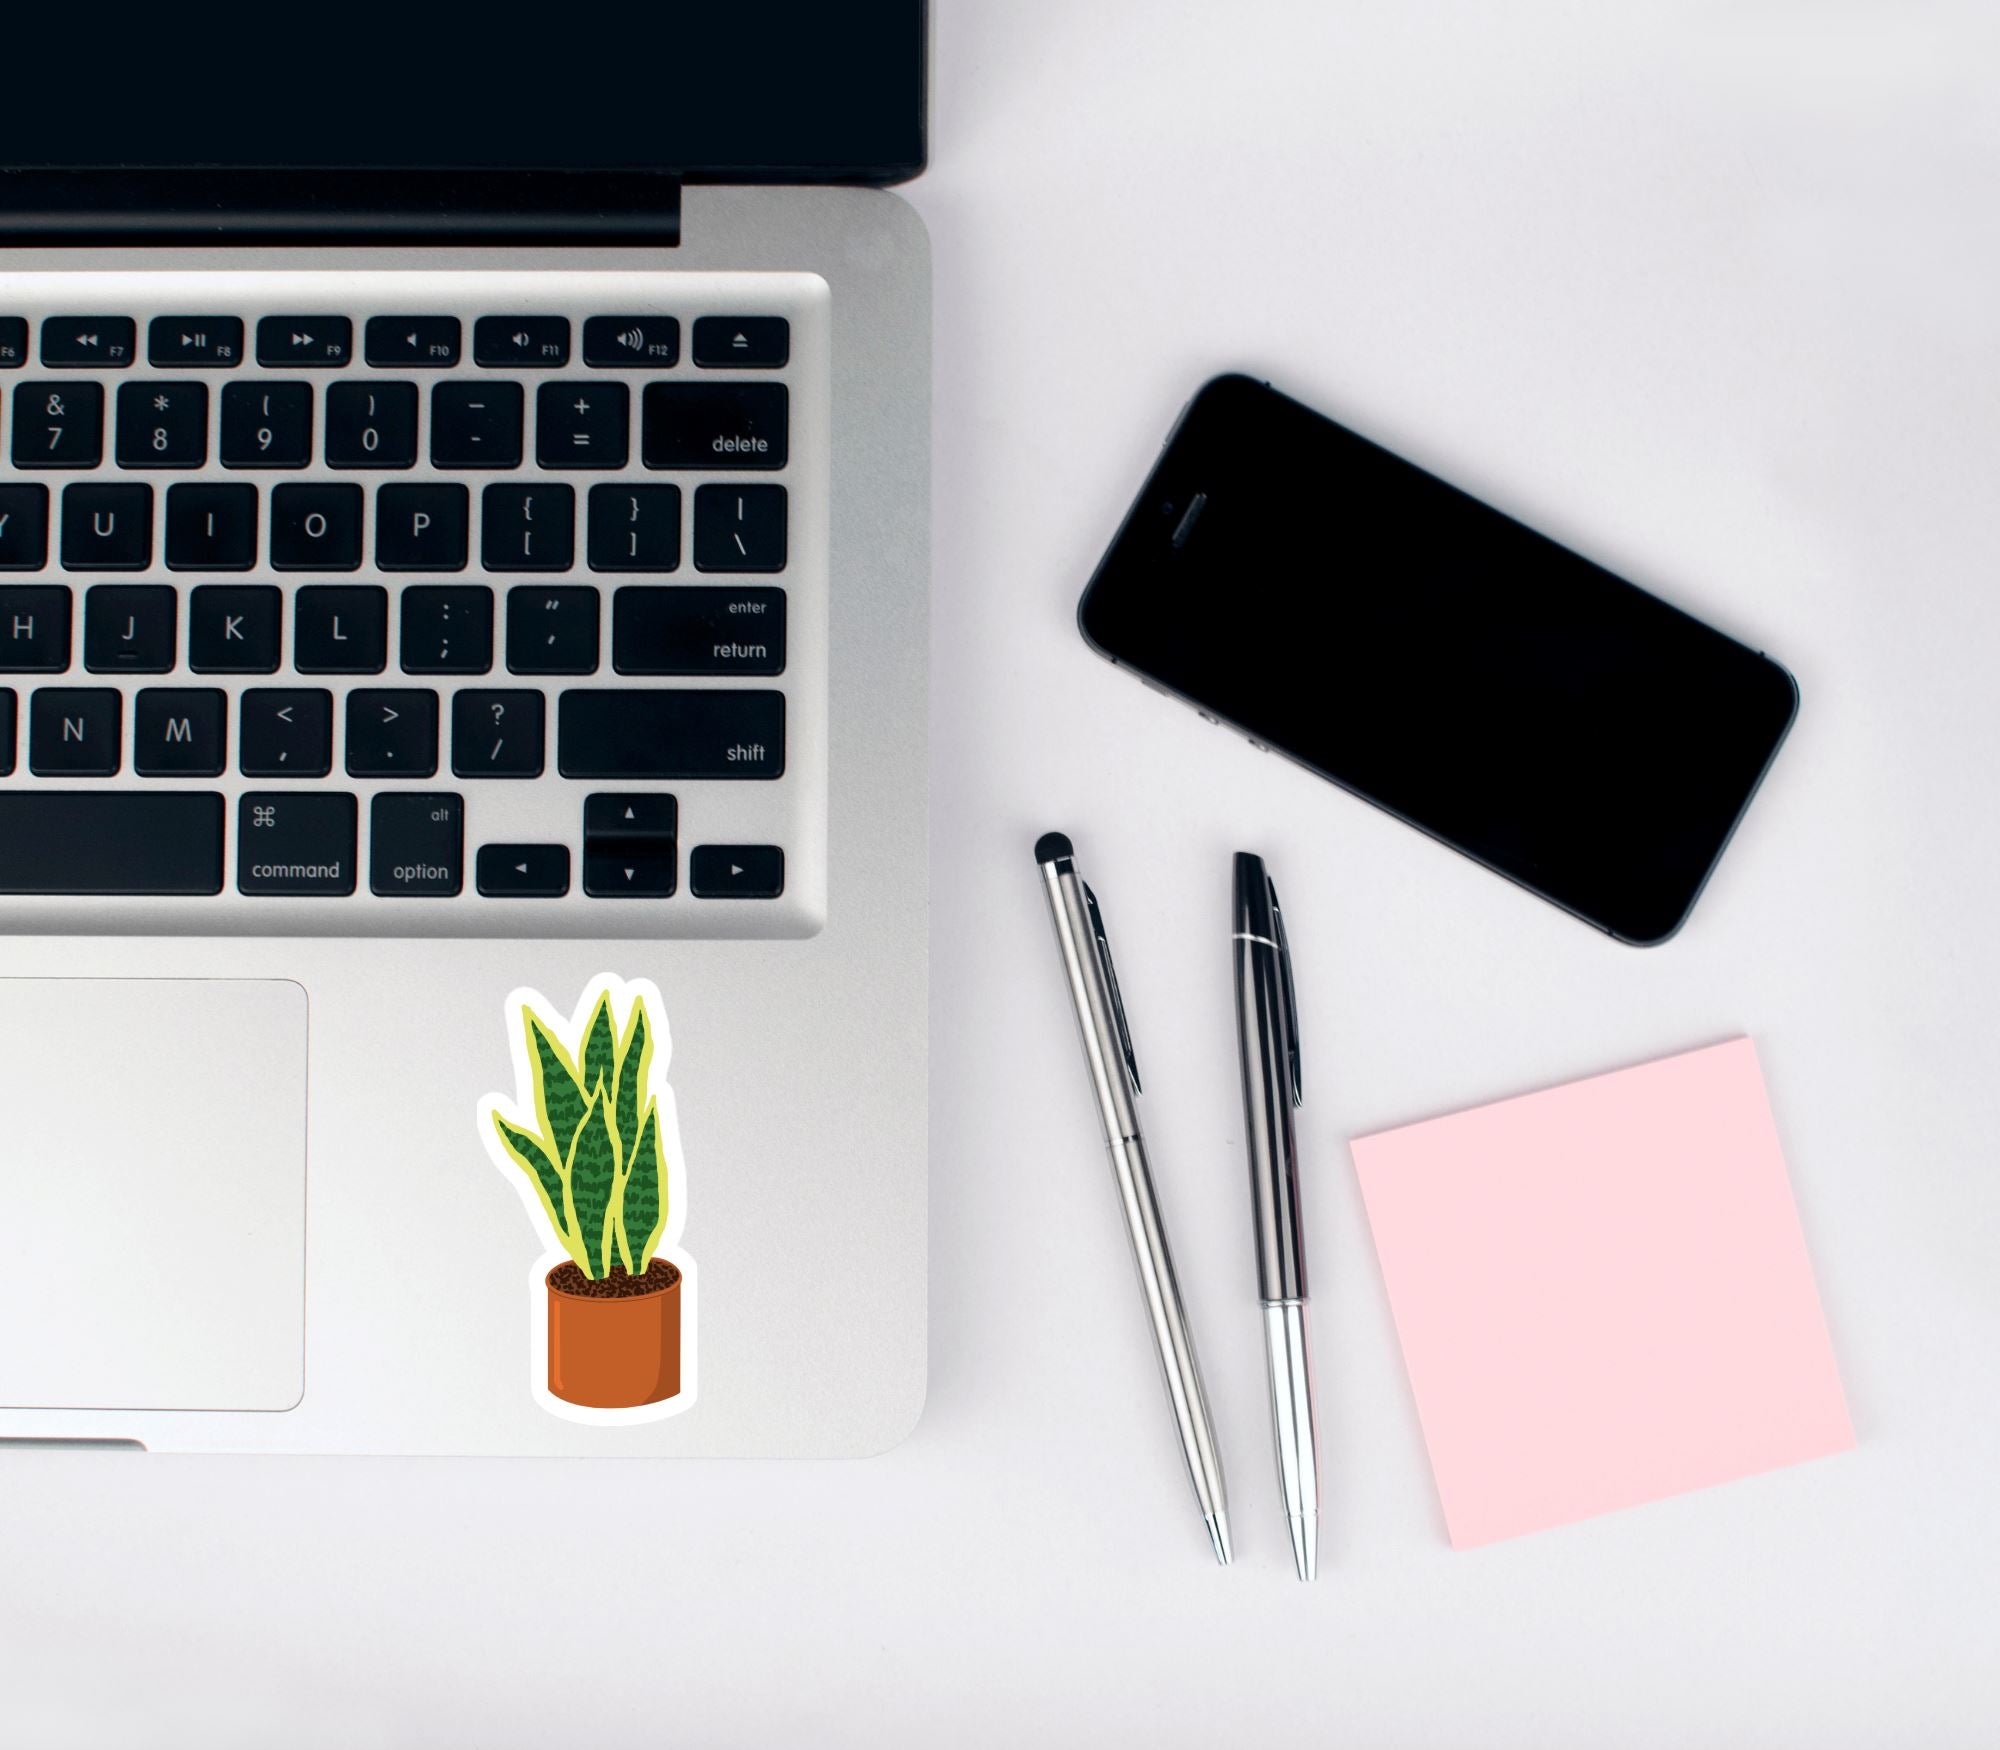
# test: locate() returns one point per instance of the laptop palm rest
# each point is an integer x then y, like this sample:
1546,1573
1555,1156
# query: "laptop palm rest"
152,1193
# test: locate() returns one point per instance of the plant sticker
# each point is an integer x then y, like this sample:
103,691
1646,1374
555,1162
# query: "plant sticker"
590,1142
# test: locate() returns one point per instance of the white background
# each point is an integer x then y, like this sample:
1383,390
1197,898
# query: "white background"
1711,291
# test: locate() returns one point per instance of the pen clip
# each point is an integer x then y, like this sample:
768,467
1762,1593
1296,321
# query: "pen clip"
1291,995
1111,981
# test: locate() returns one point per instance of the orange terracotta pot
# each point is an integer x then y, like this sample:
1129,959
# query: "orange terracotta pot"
614,1353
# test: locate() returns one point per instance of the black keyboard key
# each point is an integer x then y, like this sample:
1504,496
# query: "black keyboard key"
317,341
582,425
497,734
211,528
233,628
682,733
34,628
107,528
635,528
715,425
371,425
75,732
315,528
24,528
627,817
392,732
7,704
216,341
476,425
267,425
421,528
522,871
110,841
612,342
89,342
416,844
537,342
130,628
287,732
739,528
552,629
162,425
698,631
179,732
736,871
58,425
742,343
447,629
629,871
430,342
298,842
629,850
340,629
13,342
527,528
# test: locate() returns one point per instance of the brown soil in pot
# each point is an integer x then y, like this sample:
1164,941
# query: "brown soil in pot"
570,1279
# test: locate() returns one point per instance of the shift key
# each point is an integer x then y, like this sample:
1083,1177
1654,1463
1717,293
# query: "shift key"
671,733
715,425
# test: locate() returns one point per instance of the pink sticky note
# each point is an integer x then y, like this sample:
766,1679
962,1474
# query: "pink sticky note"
1602,1294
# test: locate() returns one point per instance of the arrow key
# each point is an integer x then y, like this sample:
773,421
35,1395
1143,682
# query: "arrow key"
736,871
392,732
638,816
628,871
287,732
522,871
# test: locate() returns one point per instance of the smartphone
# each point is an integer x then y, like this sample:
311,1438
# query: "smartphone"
1417,647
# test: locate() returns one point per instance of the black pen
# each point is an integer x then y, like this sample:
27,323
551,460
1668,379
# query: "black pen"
1267,1034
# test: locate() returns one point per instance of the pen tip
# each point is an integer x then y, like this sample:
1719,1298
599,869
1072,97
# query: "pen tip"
1218,1535
1052,845
1305,1544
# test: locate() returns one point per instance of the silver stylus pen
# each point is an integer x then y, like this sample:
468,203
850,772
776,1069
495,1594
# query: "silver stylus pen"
1114,1076
1267,1034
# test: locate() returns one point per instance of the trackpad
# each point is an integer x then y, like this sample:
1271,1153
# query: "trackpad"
152,1193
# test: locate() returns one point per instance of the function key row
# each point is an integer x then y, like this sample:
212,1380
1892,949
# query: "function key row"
214,526
343,629
392,732
59,424
390,342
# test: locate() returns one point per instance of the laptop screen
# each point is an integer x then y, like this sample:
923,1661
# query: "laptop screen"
731,90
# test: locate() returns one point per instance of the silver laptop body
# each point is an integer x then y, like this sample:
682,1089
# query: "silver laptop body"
251,1202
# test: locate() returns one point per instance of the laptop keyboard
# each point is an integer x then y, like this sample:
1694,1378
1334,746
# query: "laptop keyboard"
421,603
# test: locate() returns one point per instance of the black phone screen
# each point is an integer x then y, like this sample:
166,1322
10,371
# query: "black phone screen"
1439,659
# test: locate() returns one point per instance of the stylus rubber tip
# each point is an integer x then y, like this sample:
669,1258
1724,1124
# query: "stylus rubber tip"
1052,845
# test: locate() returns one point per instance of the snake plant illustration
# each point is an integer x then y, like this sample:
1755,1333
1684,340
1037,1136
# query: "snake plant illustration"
591,1135
595,1160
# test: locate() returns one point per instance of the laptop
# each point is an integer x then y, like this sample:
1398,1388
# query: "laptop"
463,587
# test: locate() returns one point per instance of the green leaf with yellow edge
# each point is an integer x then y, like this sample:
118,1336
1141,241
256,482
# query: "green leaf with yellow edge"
559,1095
600,1047
635,1061
593,1176
642,1213
530,1152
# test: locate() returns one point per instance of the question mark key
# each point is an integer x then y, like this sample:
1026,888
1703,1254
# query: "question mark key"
498,734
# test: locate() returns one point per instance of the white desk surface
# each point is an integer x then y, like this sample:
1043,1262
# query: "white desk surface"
1713,292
